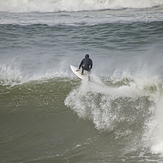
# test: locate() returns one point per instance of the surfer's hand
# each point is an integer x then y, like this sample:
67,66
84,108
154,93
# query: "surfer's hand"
78,69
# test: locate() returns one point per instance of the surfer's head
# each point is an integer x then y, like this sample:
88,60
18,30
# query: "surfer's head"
87,56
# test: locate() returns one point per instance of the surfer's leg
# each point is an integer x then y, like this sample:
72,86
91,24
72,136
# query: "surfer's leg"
89,77
89,72
82,71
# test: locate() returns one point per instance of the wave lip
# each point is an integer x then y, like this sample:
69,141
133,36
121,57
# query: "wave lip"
72,5
13,74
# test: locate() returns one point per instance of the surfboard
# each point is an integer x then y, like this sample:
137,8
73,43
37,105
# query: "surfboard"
78,73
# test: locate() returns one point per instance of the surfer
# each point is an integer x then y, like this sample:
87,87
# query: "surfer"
86,64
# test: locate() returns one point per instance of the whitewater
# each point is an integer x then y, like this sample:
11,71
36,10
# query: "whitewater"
47,114
72,5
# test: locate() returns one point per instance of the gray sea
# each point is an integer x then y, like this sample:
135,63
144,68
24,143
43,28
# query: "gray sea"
49,115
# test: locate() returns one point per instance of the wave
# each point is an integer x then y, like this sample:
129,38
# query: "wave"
125,107
117,114
128,106
72,5
92,100
12,74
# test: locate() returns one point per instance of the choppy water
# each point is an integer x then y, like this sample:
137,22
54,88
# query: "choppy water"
47,114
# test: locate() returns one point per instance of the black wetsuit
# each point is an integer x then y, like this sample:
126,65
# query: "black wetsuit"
86,64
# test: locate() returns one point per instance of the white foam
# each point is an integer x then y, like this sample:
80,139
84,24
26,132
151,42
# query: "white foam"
72,5
157,145
104,104
12,73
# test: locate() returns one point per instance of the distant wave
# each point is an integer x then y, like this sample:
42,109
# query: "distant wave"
71,5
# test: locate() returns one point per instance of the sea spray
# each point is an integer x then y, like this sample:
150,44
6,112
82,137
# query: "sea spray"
155,129
10,73
127,106
109,107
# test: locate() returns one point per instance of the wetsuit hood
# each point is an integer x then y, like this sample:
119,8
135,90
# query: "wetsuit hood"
87,56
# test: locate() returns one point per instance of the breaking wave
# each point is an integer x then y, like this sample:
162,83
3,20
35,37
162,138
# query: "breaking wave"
72,5
125,106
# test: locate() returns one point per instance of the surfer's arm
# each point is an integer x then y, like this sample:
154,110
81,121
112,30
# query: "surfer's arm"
80,64
91,65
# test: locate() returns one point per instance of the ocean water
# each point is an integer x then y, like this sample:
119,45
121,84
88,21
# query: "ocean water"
48,115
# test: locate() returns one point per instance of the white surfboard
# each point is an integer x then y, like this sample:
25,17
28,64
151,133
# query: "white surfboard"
78,73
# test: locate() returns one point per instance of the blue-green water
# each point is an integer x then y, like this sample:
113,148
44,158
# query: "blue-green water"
47,114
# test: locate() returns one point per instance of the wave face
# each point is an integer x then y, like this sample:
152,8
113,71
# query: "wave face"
73,5
65,119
